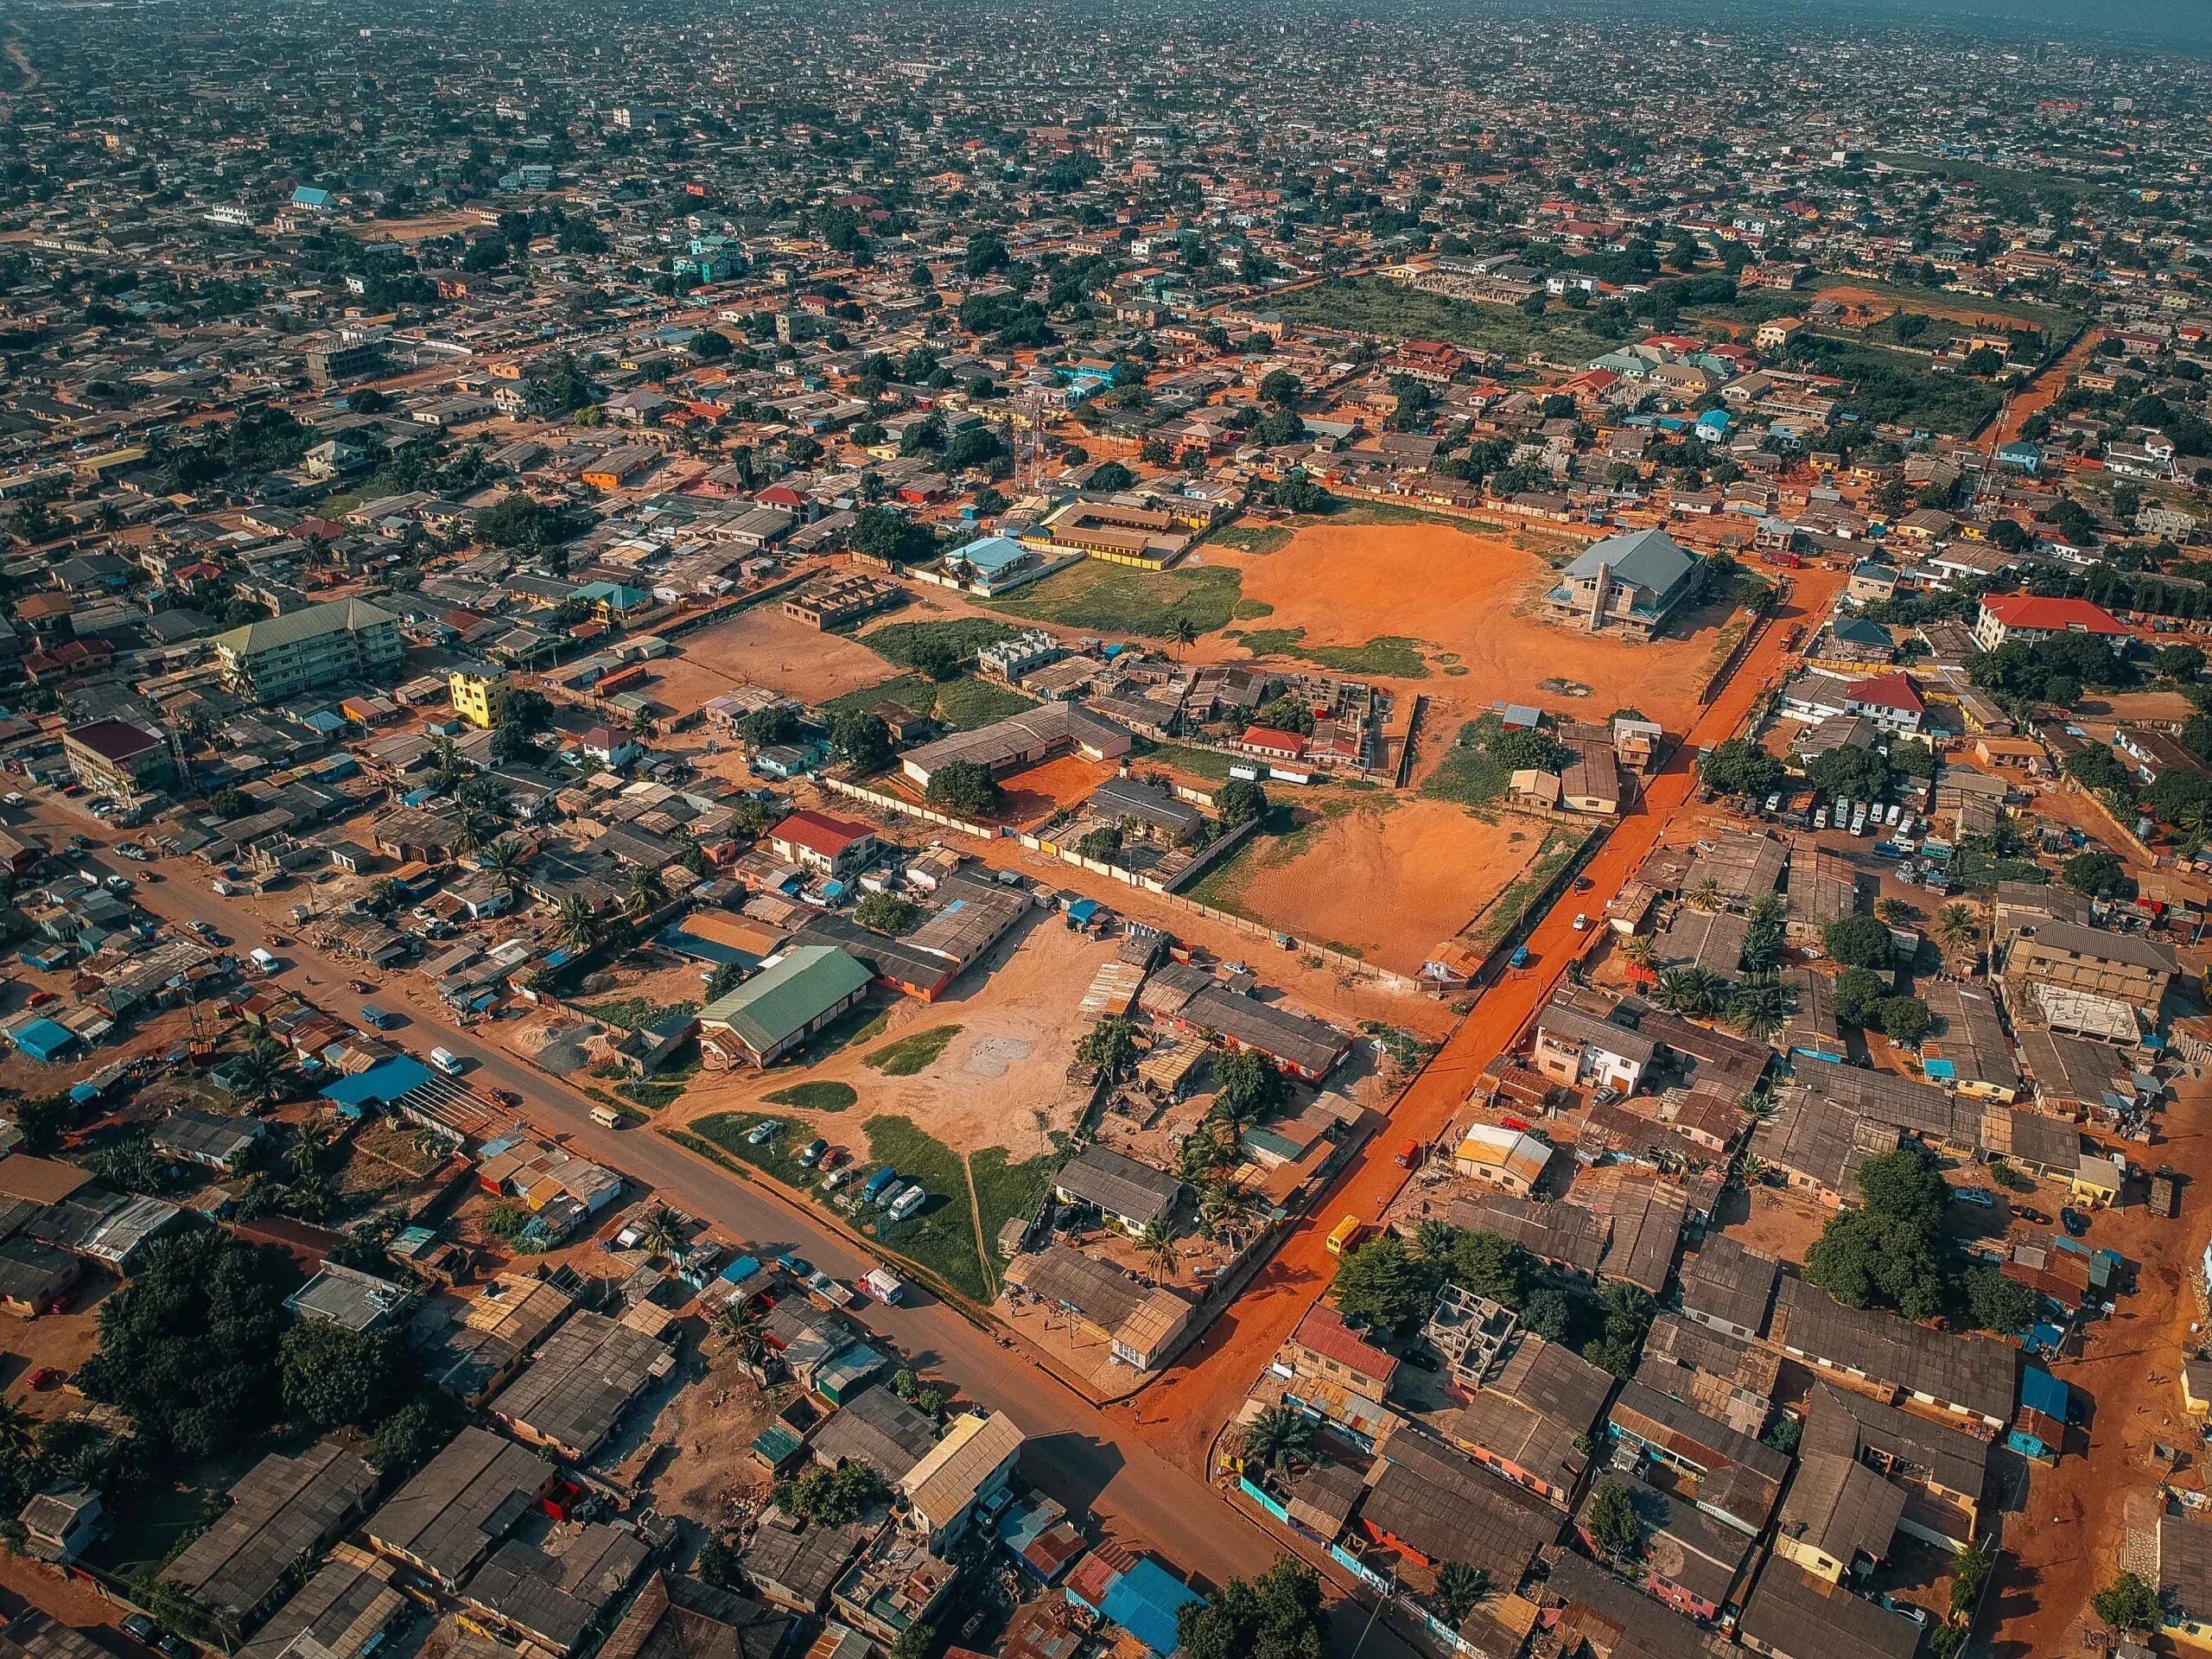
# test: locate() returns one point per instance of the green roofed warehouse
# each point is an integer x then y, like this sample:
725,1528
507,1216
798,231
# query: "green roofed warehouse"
779,1008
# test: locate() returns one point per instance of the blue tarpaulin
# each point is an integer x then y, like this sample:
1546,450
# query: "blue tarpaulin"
44,1040
2040,1391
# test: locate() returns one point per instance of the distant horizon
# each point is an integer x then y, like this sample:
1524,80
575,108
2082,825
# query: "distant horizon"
2181,26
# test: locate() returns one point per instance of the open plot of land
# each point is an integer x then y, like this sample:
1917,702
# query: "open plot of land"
999,1081
1036,792
767,648
1386,882
1358,586
1121,599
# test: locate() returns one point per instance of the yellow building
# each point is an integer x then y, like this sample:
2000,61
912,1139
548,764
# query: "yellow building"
480,699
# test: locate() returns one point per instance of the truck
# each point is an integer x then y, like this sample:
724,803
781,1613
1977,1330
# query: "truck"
1409,1155
878,1184
263,962
885,1286
607,1117
379,1019
447,1062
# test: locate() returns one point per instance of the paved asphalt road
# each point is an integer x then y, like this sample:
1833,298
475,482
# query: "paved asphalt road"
1077,1453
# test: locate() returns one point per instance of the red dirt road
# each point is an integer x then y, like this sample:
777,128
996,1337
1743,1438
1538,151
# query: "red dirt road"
2041,392
1180,1412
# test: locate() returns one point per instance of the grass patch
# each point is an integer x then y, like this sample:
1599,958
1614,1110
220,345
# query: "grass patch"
1199,763
1469,774
941,1235
726,1132
1285,832
1393,656
1005,1189
635,1013
902,642
821,1095
1505,912
964,704
651,1095
1375,305
1883,386
908,690
1252,538
1121,599
1407,1051
916,1051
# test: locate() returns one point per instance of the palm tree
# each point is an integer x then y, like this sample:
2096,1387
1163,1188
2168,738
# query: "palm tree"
304,1156
1957,928
1638,950
1759,1005
469,834
579,923
446,769
1433,1239
1461,1589
259,1072
1278,1436
1686,990
1227,1209
15,1440
507,858
663,1231
1157,1242
1185,635
1768,908
1706,895
743,1328
647,892
1754,1169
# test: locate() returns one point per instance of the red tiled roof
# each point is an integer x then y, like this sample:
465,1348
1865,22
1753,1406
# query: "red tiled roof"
1267,737
2059,615
819,833
1323,1330
1887,691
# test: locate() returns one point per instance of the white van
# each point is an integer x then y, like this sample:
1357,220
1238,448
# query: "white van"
263,961
447,1062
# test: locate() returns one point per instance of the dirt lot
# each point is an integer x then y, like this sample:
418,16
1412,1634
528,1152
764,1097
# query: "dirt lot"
1018,1024
1034,794
765,647
1849,293
1469,598
711,1424
1437,862
1779,1222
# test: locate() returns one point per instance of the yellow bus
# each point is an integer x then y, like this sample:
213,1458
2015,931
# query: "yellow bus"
1349,1232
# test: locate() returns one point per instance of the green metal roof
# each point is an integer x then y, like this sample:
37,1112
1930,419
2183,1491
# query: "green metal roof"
778,1003
339,614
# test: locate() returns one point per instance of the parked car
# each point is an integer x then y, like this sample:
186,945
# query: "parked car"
2035,1218
48,1377
836,1158
1582,922
1976,1195
761,1133
506,1097
141,1628
810,1153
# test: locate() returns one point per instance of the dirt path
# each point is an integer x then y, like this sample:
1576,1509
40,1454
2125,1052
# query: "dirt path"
1851,294
2042,391
983,1246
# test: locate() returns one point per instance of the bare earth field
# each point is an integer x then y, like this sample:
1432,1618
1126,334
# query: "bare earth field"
1034,794
767,648
1018,1023
1469,598
1388,883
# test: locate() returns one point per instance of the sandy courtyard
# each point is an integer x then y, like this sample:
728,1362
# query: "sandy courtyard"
1017,1029
1465,597
1034,794
1392,884
765,647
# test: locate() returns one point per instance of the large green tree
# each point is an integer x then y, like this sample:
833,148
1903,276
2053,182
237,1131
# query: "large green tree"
1275,1615
190,1347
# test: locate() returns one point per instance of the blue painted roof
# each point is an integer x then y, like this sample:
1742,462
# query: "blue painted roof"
992,554
1082,910
308,196
2040,1391
44,1038
383,1083
1143,1601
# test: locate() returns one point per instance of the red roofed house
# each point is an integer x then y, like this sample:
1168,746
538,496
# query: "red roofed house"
117,756
1276,746
818,842
1325,1347
1888,700
780,495
2026,617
